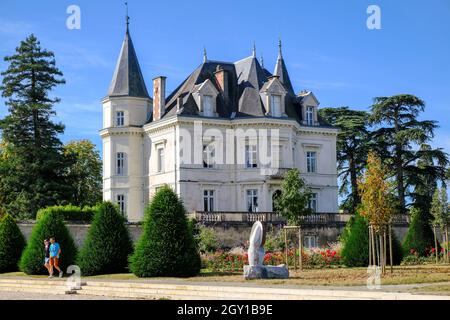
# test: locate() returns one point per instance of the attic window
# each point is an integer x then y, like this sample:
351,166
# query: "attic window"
207,106
275,102
310,116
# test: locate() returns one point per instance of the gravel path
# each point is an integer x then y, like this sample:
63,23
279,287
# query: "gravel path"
7,295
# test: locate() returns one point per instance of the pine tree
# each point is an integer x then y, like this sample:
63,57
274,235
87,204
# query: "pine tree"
399,130
12,243
167,246
352,145
33,177
107,245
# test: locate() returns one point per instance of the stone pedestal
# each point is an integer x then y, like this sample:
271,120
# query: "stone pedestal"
266,272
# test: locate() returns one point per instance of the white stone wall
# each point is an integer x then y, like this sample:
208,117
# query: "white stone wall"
229,181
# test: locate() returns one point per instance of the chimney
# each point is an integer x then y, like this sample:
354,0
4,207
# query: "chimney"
159,97
222,82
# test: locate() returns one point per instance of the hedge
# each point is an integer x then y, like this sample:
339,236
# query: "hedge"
70,212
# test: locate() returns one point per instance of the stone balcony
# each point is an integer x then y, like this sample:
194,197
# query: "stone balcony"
218,218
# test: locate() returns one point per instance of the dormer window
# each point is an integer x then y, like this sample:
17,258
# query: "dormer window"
275,102
207,107
310,116
120,118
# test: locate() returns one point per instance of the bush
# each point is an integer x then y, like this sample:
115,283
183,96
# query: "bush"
70,212
420,236
167,246
12,243
107,245
49,225
208,241
355,252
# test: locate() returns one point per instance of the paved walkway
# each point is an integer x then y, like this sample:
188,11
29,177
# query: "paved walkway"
6,295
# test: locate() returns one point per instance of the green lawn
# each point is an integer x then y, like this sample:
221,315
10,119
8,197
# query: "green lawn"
324,277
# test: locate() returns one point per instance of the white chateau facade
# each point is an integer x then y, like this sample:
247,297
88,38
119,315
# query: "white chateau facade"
206,138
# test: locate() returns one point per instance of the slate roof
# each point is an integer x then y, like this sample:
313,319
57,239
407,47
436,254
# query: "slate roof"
246,78
127,79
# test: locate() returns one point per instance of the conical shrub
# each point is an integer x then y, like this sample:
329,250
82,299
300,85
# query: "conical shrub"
49,225
12,243
108,243
166,247
355,252
420,236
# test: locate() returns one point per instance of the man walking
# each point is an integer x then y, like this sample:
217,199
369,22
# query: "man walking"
55,251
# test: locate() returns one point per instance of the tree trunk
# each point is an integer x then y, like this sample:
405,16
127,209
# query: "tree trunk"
354,183
399,176
300,240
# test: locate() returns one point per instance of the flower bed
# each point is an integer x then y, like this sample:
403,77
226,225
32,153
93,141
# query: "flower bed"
234,260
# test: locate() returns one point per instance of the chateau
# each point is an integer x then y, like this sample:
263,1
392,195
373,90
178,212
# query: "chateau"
222,139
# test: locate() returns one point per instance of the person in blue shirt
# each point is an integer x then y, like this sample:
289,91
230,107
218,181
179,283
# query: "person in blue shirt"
55,251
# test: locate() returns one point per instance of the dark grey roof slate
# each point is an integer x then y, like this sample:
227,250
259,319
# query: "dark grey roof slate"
127,79
246,78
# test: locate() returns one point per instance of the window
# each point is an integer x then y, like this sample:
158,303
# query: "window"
208,156
120,118
252,200
121,203
208,200
310,242
313,202
311,161
250,156
207,106
275,104
310,116
160,155
120,163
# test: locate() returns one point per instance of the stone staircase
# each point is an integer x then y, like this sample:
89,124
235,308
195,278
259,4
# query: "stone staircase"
48,286
204,291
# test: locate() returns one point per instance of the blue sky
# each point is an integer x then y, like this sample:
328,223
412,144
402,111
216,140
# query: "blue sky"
326,45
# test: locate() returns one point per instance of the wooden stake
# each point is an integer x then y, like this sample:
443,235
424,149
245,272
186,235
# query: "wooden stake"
435,245
391,255
384,249
447,243
286,247
300,259
374,251
370,246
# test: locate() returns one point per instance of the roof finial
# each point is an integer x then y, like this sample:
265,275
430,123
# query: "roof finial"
205,58
254,50
279,47
127,18
262,60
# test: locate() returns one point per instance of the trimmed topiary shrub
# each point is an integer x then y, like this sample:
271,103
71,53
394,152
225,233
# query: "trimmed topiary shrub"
70,212
49,225
108,243
166,247
12,243
420,236
355,251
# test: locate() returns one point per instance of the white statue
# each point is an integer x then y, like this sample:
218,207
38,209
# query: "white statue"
255,268
256,250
